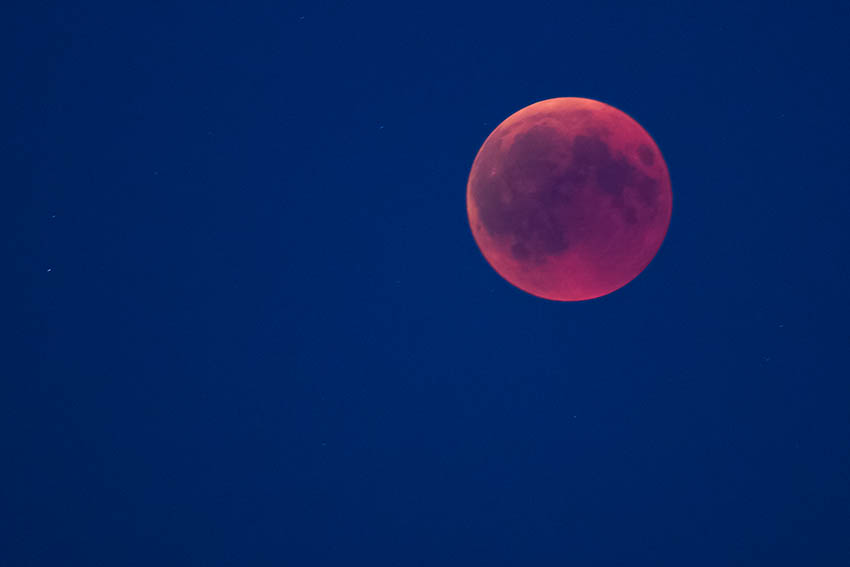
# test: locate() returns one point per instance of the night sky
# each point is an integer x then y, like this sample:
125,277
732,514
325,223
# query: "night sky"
248,323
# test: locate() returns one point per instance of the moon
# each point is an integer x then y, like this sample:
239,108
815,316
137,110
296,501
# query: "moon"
569,199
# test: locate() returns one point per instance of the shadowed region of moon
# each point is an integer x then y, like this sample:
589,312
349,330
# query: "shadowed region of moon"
569,199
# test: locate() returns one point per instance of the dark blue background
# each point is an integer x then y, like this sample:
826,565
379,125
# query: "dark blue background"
254,328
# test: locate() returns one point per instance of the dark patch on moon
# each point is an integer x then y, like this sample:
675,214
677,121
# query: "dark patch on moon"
647,190
524,199
520,251
646,155
520,200
614,173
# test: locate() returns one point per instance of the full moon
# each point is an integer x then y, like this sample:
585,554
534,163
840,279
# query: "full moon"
569,199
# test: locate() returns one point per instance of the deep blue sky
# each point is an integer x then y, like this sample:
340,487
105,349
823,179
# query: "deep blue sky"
254,327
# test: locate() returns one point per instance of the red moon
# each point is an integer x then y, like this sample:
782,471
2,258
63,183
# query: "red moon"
569,199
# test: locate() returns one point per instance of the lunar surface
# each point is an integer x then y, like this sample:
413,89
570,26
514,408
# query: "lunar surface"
569,199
